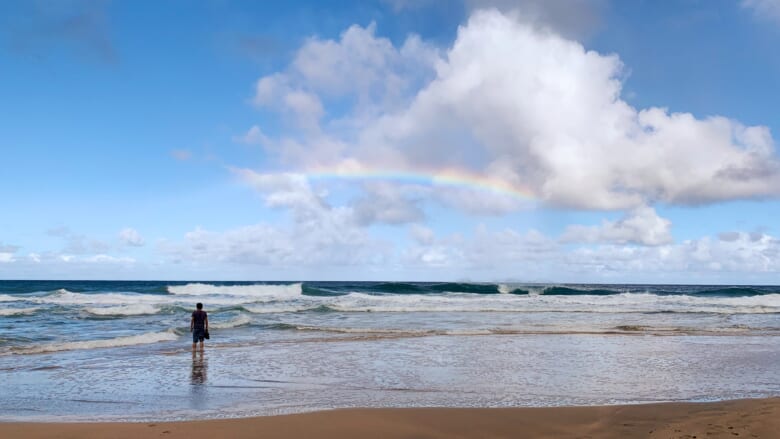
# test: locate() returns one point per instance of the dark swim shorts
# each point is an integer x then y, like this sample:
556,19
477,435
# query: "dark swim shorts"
198,335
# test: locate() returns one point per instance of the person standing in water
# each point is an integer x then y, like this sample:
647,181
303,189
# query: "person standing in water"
199,325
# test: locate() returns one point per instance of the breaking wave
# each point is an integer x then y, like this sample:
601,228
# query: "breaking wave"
256,291
241,320
132,340
123,310
17,311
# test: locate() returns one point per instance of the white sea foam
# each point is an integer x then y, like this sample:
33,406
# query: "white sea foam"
17,311
373,331
259,292
262,299
148,338
7,298
127,303
626,302
124,310
276,308
65,297
241,320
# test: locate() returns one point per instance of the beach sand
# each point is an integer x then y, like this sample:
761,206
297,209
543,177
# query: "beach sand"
756,418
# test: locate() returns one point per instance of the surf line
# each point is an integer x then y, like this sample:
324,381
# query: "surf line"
455,177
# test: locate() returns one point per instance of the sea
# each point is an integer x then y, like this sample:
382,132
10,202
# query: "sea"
121,351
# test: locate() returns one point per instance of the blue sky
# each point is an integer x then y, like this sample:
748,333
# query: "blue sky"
180,140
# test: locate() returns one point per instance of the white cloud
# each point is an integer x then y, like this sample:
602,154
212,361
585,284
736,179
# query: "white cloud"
697,259
486,254
542,109
387,203
107,259
765,9
421,234
53,265
370,71
532,256
288,190
6,257
318,235
325,241
639,226
131,237
477,201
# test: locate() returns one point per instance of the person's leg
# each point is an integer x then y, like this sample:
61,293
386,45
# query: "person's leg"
201,344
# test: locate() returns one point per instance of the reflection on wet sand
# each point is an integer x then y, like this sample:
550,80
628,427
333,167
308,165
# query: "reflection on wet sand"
199,368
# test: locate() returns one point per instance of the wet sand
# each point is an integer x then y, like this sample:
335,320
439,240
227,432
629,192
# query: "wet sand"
755,418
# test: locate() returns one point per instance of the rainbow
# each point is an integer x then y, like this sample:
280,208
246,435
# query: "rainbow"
441,177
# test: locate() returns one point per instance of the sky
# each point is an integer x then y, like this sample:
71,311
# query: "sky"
594,141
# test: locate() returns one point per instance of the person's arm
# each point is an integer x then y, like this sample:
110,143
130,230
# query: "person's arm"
192,323
206,321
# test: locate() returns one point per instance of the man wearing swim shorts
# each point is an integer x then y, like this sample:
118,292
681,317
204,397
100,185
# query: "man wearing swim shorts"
199,326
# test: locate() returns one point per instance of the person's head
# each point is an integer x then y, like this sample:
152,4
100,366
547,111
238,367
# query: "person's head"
199,305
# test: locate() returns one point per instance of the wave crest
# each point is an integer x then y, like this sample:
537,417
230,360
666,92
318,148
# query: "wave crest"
17,311
260,291
123,310
241,320
131,340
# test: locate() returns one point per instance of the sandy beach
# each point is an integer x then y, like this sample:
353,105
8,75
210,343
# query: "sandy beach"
755,418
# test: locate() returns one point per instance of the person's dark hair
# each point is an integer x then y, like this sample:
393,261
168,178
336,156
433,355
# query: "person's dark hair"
199,305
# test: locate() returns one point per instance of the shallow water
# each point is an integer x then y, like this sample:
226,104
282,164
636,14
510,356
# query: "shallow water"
109,353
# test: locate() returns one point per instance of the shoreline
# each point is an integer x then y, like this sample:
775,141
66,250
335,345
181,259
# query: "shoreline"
751,418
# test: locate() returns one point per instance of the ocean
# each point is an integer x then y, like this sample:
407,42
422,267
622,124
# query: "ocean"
95,350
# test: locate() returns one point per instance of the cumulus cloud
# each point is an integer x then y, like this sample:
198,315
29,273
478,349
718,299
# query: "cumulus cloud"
639,226
532,256
691,259
131,237
421,234
288,190
383,203
387,203
318,235
265,245
522,104
764,9
487,252
108,259
324,241
54,265
7,252
518,109
362,70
